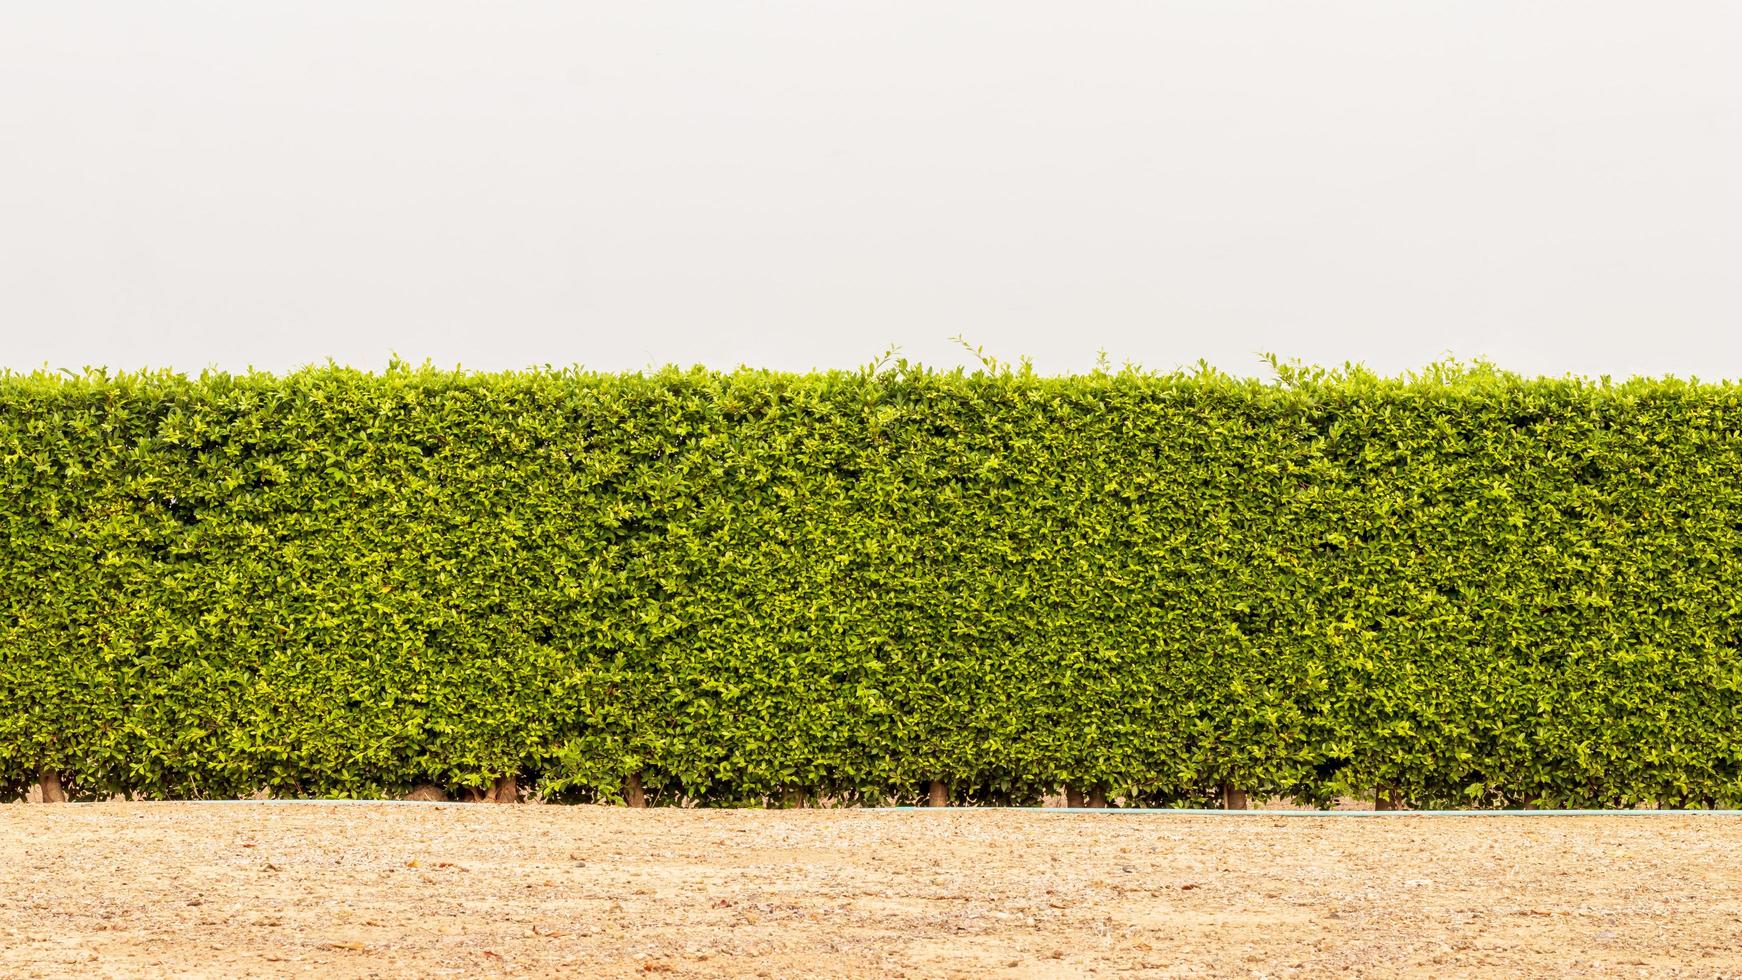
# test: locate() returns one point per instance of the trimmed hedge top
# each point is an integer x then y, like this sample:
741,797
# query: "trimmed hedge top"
1476,588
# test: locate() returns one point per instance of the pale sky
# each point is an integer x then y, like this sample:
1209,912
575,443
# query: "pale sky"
1554,185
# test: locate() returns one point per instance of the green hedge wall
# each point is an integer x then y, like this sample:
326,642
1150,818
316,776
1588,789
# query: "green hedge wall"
1476,588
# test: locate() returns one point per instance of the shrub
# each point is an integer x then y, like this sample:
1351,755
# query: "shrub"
1472,587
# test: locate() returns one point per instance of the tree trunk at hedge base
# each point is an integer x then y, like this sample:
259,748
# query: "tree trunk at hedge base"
634,794
1097,799
504,790
1388,798
49,780
1073,797
940,793
1233,799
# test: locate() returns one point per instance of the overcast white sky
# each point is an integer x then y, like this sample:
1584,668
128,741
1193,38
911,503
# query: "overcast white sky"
1555,185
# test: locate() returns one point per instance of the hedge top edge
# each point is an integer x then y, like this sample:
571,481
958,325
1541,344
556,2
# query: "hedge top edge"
1444,375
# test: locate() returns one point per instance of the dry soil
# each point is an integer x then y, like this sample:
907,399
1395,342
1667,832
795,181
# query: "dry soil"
413,890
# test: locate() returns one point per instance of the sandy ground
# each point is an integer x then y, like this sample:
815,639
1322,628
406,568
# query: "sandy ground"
122,889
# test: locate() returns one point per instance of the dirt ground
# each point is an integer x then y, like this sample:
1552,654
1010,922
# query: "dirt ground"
122,889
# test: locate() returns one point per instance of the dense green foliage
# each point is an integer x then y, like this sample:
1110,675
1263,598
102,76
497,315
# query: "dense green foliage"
1474,587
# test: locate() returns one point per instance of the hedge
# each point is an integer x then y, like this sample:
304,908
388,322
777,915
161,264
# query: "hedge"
1465,586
